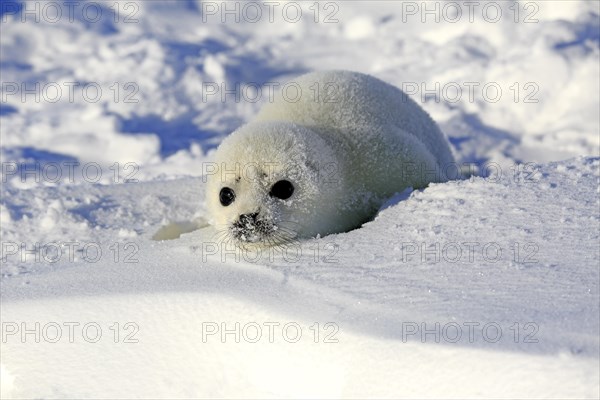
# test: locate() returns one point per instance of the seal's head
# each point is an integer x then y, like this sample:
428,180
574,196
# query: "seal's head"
272,182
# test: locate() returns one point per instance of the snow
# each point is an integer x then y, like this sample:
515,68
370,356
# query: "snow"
515,249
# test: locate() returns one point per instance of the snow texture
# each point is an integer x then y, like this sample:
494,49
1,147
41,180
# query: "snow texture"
508,258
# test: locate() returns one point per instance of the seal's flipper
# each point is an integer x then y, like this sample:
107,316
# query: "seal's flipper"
174,230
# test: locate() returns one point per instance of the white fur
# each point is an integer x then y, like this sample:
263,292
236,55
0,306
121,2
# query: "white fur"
346,152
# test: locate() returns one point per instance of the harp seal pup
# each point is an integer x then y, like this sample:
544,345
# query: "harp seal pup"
322,158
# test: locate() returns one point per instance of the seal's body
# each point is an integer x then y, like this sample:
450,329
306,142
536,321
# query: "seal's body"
324,160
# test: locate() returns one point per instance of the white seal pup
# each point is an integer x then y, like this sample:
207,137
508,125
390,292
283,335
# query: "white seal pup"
321,159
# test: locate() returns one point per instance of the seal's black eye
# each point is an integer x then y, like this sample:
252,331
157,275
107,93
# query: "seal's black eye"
282,190
226,196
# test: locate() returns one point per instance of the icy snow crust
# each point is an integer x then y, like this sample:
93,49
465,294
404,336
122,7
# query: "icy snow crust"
376,284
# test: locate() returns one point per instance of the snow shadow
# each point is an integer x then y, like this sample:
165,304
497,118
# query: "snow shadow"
206,123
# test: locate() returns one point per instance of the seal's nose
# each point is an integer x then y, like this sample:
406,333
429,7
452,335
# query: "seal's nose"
248,218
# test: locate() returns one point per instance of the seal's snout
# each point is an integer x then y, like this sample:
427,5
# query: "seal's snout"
248,219
249,228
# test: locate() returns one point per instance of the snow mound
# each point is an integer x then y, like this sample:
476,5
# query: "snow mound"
373,312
